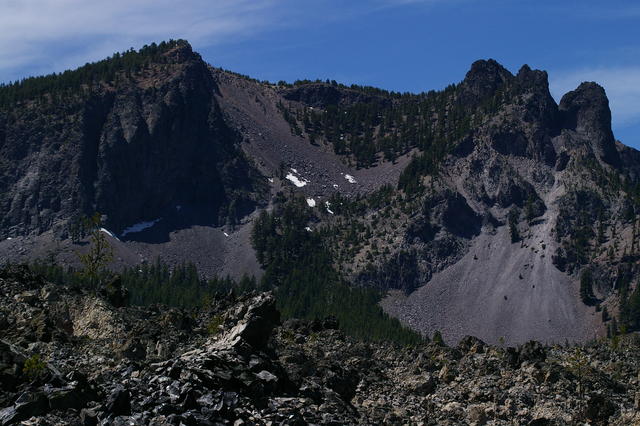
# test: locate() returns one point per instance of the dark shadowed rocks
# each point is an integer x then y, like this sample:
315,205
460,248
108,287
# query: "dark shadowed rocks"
115,293
306,372
255,324
459,218
586,111
119,402
471,344
482,81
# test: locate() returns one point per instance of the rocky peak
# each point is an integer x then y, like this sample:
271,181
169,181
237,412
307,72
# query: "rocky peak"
586,111
536,80
182,52
524,99
540,105
483,79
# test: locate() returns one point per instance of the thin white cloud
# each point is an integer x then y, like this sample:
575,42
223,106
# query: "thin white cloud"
622,85
41,36
609,11
399,3
44,34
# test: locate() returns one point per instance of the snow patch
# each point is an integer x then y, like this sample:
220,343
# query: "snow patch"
311,202
328,205
109,233
297,181
225,234
335,185
139,227
350,179
270,180
308,229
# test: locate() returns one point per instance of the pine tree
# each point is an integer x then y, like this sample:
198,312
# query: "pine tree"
514,216
95,261
586,288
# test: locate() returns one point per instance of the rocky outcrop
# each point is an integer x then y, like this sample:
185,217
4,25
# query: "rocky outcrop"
482,81
586,111
148,145
250,368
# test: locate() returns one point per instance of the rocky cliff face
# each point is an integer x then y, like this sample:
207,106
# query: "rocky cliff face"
586,112
69,357
135,149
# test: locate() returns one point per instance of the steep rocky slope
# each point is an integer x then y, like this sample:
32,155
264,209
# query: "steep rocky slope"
72,357
531,196
528,158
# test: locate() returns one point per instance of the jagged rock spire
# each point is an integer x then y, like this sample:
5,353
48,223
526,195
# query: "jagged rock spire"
586,111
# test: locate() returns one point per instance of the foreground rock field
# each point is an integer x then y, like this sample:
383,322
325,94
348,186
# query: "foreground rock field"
68,356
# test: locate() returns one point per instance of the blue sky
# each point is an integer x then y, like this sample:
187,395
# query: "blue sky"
403,45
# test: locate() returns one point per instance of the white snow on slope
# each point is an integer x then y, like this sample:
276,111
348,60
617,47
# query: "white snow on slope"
138,227
350,178
297,181
311,202
225,234
328,204
109,233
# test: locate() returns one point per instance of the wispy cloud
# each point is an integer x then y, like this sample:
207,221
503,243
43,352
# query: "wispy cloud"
398,3
622,85
38,36
611,11
43,34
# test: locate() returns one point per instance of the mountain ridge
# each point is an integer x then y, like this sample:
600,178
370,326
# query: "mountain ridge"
408,191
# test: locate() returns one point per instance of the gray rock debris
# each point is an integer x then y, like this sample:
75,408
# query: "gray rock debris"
255,370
